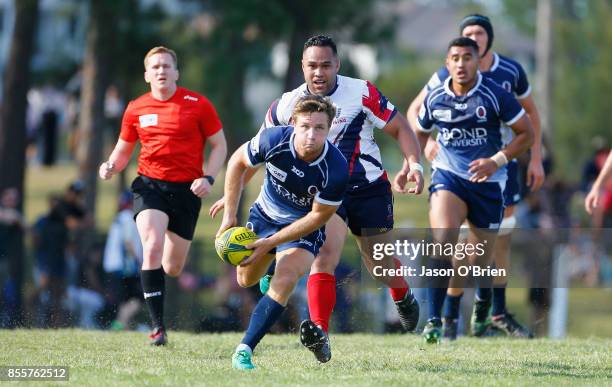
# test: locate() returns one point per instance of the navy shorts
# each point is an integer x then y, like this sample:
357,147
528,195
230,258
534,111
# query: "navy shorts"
368,208
174,199
512,192
264,226
485,201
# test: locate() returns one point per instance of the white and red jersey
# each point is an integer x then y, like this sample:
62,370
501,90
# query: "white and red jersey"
360,107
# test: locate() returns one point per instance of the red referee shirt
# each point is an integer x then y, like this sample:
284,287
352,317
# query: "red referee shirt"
172,134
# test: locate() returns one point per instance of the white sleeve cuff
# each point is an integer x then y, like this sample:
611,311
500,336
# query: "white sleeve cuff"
327,202
516,118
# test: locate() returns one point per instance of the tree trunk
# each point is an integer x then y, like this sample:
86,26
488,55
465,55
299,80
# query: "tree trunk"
544,65
97,61
13,122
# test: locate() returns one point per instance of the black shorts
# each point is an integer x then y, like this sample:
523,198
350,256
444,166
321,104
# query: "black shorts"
174,199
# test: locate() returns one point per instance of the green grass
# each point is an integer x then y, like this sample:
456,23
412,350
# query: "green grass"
109,358
590,310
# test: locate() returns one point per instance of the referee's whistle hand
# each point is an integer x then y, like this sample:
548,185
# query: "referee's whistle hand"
200,187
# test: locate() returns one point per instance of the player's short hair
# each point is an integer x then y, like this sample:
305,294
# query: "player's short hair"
463,42
312,104
321,41
161,50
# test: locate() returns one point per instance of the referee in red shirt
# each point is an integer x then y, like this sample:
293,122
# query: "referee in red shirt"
172,124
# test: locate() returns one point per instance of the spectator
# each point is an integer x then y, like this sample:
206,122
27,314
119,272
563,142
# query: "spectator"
49,239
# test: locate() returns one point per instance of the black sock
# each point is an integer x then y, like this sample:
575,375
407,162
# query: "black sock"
154,288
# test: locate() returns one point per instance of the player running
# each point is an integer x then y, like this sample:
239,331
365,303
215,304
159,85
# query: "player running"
511,76
469,175
306,178
173,124
368,205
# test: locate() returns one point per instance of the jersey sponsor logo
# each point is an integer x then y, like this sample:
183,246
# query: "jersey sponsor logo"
481,113
442,115
190,98
147,120
461,106
460,137
297,171
276,172
305,242
302,201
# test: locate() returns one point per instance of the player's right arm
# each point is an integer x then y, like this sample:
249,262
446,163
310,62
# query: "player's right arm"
118,159
120,156
314,220
237,166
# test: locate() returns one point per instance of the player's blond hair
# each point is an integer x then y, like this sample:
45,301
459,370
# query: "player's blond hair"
312,104
161,50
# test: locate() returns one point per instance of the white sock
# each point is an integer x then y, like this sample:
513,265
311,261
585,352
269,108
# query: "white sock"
244,347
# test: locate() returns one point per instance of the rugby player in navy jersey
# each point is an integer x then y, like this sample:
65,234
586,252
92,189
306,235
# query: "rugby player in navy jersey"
368,205
305,182
469,173
511,76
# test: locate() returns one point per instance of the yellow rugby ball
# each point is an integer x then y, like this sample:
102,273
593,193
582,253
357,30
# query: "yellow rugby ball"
230,245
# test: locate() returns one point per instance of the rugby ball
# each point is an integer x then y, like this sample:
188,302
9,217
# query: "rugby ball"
230,245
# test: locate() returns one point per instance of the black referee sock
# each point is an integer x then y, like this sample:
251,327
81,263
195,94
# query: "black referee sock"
153,288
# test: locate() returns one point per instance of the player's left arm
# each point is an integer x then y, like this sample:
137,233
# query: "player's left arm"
400,130
482,169
535,170
315,219
216,158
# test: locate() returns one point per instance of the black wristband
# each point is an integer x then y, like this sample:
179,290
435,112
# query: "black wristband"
211,180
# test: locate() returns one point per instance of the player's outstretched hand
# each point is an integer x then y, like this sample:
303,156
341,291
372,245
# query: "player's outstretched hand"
416,177
200,187
482,169
226,223
591,201
217,207
401,180
260,248
535,175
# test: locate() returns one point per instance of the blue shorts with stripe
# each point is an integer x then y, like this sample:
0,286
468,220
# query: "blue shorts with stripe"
485,201
264,226
512,193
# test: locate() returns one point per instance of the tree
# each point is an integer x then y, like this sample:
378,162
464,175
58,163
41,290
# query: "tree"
98,56
13,118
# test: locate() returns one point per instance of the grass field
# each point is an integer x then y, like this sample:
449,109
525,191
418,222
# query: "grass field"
105,358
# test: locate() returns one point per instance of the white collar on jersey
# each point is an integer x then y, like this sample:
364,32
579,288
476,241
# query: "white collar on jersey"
495,62
317,161
448,90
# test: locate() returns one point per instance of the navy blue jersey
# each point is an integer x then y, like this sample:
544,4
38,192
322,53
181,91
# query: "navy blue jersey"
468,125
504,71
291,184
